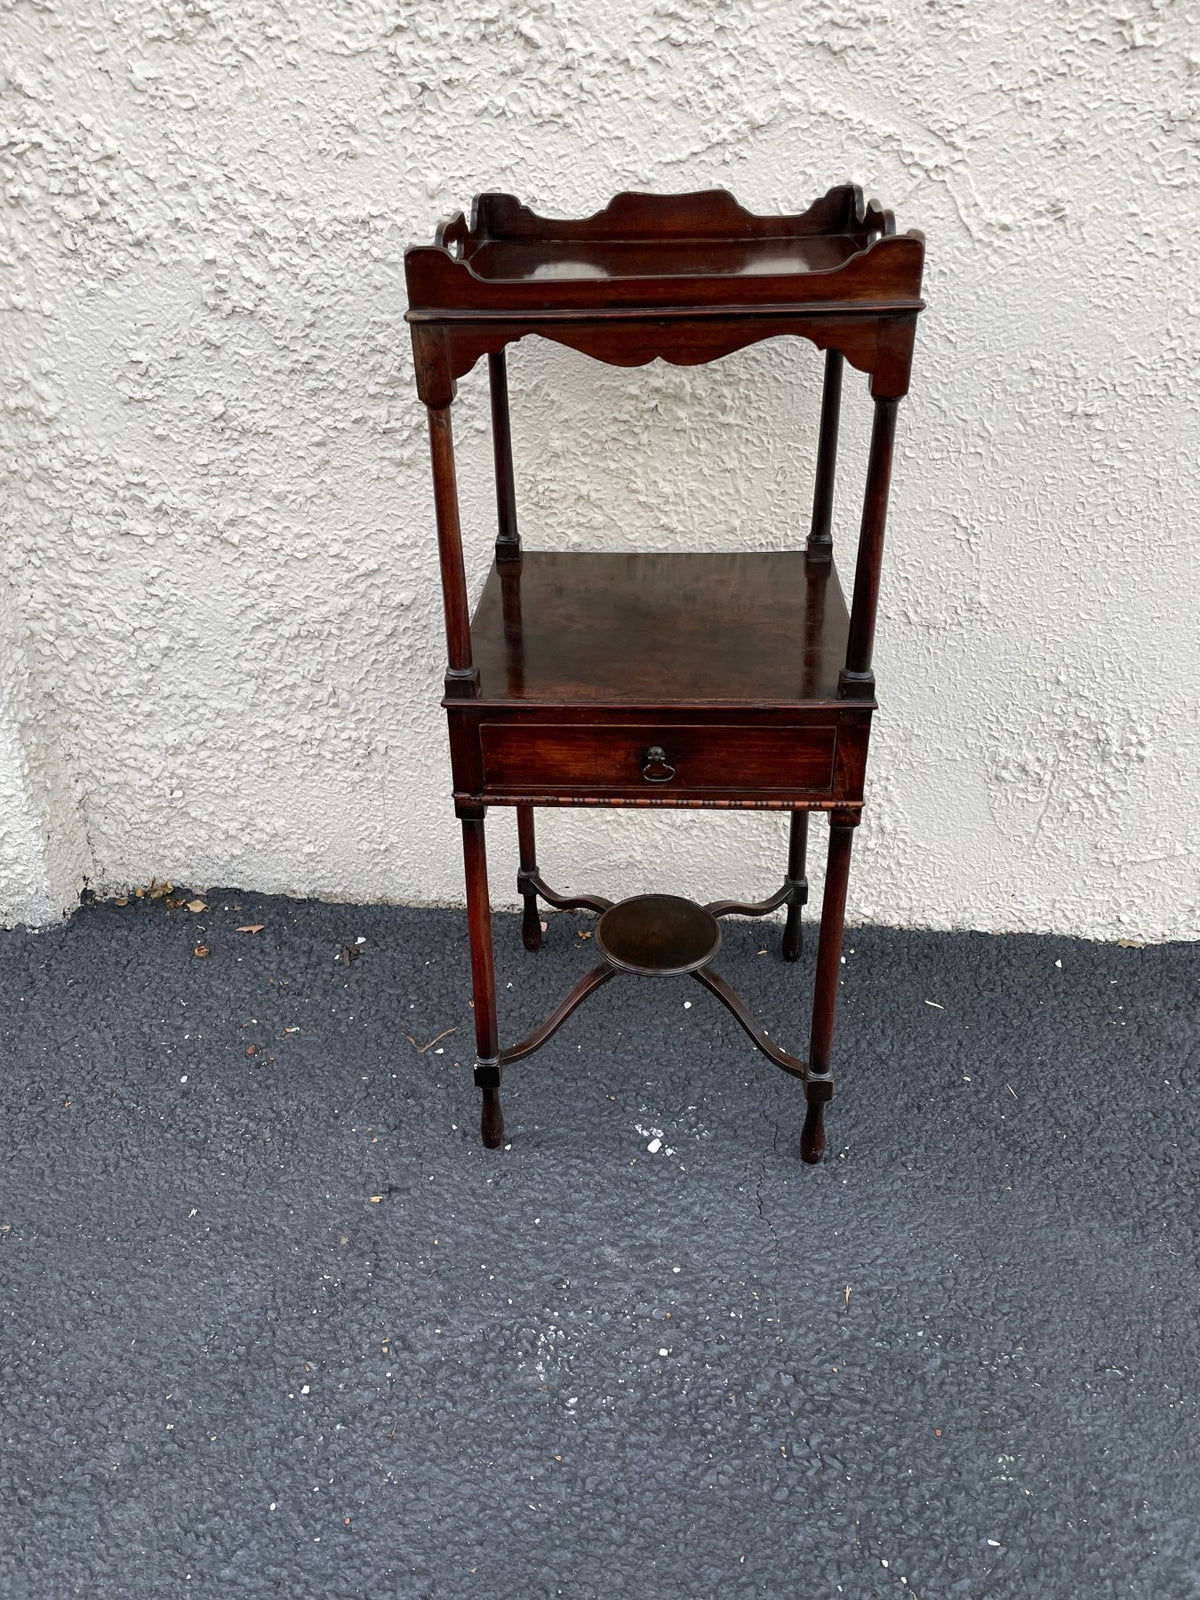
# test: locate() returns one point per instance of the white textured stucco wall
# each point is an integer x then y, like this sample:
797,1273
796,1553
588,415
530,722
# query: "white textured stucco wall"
217,520
44,858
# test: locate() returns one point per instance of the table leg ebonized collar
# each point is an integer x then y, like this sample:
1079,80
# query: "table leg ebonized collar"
735,680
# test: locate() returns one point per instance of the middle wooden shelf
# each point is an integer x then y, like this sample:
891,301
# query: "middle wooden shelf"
660,628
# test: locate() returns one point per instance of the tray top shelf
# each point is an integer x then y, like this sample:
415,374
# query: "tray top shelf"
649,628
665,252
519,260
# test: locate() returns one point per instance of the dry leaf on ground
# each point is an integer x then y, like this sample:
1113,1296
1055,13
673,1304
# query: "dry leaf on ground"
421,1048
252,927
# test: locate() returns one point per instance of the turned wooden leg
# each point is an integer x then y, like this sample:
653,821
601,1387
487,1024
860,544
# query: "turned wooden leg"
531,921
491,1118
818,1088
483,981
797,854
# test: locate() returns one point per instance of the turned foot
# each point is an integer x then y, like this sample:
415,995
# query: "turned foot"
531,925
793,935
812,1135
491,1120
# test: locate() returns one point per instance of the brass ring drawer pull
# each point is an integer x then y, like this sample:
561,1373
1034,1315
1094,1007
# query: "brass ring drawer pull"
657,768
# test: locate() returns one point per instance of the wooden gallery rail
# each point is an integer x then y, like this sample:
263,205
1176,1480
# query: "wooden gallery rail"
737,680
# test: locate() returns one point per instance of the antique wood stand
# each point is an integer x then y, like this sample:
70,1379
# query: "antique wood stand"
730,680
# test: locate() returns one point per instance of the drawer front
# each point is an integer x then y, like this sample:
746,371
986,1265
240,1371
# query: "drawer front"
656,758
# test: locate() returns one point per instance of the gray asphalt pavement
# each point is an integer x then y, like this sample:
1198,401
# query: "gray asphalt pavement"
275,1324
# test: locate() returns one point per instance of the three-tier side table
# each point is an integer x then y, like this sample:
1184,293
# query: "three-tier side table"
737,680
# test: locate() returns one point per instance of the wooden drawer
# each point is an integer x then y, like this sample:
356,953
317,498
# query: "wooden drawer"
604,758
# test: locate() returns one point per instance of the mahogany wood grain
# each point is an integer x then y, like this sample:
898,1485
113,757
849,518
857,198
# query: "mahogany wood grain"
563,902
820,538
514,261
508,538
797,884
819,1085
752,908
531,922
483,980
683,277
704,214
733,1002
877,339
737,680
579,754
599,758
461,677
857,677
552,277
590,982
628,627
658,935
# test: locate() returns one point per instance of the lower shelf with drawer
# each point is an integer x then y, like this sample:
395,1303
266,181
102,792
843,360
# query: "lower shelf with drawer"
658,761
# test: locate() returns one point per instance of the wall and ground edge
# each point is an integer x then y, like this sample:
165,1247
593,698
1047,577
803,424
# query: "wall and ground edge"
221,650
